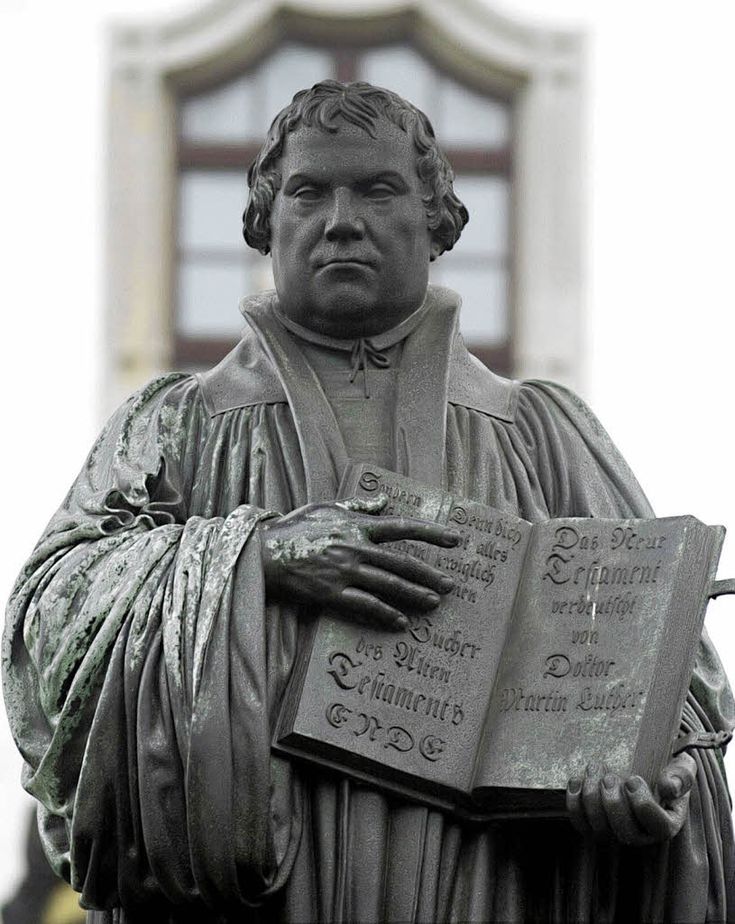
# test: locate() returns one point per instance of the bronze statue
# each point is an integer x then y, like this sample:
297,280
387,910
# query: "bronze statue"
151,634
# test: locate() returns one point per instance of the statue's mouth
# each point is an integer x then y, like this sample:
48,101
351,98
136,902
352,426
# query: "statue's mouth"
346,262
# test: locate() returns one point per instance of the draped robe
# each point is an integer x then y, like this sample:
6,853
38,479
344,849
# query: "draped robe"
144,666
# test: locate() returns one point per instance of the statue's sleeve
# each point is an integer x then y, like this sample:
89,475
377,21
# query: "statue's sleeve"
135,676
583,474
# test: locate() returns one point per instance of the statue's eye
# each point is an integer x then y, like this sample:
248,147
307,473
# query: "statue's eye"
307,193
379,191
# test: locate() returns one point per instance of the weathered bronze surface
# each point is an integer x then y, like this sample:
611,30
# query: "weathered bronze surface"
152,633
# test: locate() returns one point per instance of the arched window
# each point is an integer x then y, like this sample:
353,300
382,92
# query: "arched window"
191,100
220,132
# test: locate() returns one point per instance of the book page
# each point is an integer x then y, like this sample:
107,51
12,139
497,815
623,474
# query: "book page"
412,702
581,656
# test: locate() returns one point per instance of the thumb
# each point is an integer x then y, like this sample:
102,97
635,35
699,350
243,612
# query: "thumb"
677,778
364,504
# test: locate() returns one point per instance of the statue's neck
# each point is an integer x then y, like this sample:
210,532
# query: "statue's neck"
380,341
364,352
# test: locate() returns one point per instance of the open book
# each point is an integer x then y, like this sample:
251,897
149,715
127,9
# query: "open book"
562,643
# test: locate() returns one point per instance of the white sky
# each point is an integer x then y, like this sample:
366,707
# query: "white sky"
660,354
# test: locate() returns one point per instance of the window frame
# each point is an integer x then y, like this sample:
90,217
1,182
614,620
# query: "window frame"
152,63
191,351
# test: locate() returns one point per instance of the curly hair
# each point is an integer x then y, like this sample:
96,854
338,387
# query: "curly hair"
360,104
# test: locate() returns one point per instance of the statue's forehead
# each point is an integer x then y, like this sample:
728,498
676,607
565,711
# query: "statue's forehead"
351,148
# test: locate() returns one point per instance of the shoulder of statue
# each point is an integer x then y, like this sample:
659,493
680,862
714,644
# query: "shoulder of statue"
473,385
561,402
245,377
156,403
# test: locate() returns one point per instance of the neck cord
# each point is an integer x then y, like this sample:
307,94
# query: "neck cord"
361,349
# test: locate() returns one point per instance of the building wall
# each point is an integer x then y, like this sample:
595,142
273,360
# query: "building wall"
660,290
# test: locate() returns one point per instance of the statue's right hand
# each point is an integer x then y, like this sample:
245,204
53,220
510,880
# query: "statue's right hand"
330,555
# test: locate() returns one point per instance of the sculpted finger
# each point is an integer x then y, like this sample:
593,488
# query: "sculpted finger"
656,821
677,778
619,816
389,529
394,589
592,799
574,806
370,505
370,609
677,813
410,568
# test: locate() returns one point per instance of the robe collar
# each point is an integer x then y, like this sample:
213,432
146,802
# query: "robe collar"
268,367
379,342
365,352
246,376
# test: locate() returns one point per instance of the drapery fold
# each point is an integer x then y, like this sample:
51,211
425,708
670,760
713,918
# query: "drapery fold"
144,668
139,678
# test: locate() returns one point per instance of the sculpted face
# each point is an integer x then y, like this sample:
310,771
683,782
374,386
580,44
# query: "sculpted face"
349,235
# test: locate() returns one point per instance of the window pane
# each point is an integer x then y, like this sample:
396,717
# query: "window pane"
288,70
468,119
461,117
209,293
487,199
241,110
210,210
484,291
222,115
404,71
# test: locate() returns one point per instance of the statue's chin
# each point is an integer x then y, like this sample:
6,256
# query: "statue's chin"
351,320
348,312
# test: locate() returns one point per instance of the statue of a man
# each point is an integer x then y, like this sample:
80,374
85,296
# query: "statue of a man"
153,630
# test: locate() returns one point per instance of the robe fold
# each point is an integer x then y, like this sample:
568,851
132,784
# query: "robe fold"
144,667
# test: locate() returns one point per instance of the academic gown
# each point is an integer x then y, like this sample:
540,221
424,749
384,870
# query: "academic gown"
144,667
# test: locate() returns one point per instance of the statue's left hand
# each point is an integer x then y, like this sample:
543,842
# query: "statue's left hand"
603,805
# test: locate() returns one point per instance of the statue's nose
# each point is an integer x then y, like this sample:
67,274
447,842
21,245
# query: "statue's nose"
344,222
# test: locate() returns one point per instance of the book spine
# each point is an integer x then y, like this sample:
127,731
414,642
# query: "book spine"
484,751
292,695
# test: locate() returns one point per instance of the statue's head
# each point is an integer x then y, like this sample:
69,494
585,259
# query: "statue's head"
353,198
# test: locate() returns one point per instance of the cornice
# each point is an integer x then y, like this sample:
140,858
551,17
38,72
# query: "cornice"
476,41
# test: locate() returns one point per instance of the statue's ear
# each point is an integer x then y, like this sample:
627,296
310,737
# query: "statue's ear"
435,250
